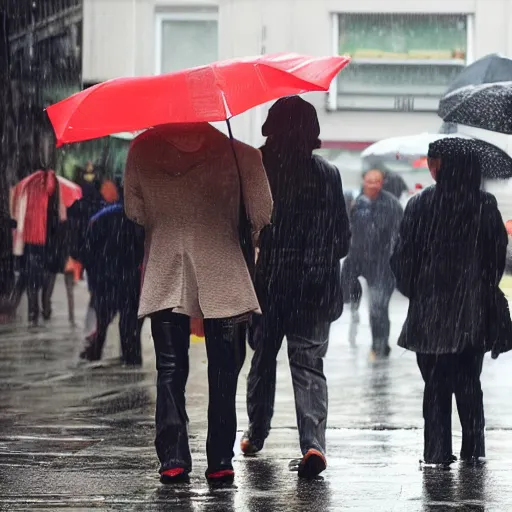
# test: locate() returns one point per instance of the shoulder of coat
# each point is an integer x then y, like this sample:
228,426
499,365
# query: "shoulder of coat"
330,171
488,199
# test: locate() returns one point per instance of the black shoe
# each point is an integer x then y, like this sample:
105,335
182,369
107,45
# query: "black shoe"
473,461
174,476
445,464
224,476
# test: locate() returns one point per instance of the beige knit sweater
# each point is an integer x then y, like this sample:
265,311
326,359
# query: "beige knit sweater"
183,186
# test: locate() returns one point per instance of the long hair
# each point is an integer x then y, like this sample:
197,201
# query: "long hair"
448,236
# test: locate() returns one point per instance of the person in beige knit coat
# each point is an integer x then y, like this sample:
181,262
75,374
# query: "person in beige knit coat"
183,186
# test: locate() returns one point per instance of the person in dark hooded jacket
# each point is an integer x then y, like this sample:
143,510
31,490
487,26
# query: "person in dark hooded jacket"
79,214
297,278
449,260
112,256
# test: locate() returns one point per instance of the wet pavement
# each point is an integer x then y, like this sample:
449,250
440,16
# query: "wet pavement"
81,437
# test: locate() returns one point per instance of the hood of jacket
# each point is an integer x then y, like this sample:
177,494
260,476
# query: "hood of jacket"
177,149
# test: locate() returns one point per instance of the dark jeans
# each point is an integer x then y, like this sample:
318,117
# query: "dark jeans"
307,346
107,301
445,375
35,279
381,286
225,348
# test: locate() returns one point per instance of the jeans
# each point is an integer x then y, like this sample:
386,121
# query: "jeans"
381,286
445,375
225,348
307,346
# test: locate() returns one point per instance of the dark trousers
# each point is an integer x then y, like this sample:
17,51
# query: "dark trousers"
307,346
225,348
445,375
36,280
108,300
380,289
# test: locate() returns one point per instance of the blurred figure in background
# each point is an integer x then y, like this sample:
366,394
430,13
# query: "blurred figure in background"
297,278
38,216
375,219
112,256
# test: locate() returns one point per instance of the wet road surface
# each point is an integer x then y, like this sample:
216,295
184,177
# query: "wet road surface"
81,437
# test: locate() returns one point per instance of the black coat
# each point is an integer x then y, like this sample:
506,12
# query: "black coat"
300,252
113,251
394,184
455,302
79,214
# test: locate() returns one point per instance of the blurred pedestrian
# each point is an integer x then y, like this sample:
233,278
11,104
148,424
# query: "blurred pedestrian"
374,220
448,261
80,213
39,213
297,278
112,257
182,184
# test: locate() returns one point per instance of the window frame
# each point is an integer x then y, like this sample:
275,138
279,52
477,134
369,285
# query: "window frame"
188,15
332,98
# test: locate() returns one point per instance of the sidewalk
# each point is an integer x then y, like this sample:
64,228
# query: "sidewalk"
81,438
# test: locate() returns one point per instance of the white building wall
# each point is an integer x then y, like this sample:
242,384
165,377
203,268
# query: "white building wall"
119,40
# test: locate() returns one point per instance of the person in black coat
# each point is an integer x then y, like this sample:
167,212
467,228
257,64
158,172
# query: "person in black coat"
113,254
374,220
449,260
79,214
297,278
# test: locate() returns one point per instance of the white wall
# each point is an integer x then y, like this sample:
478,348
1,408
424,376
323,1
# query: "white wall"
119,40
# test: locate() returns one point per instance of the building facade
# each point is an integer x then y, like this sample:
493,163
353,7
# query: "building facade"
405,52
40,63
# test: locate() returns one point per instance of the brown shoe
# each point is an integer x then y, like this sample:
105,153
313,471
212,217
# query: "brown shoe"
247,446
312,464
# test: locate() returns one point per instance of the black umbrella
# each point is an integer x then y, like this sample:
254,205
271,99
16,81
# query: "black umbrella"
487,106
495,164
490,69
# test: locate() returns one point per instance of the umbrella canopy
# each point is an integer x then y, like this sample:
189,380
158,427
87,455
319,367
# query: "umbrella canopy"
495,163
410,147
487,106
204,94
487,70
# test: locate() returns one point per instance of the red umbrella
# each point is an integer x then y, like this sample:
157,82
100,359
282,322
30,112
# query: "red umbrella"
210,93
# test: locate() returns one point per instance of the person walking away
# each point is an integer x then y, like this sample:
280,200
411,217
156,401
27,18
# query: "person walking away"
113,254
297,278
183,185
38,213
374,220
79,215
449,260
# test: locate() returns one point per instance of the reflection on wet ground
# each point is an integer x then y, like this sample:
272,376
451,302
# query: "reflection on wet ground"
81,437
